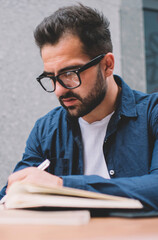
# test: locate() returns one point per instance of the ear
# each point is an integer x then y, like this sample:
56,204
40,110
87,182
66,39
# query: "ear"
108,64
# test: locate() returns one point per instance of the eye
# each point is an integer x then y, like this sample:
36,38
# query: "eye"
67,75
70,79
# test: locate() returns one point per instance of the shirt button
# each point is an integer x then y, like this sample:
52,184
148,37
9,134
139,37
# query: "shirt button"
112,172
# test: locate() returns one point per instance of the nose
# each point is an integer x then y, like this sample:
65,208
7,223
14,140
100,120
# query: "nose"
60,90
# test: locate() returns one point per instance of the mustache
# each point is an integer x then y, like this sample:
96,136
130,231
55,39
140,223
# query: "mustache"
69,95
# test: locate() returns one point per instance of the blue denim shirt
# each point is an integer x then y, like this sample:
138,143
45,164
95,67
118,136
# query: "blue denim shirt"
130,148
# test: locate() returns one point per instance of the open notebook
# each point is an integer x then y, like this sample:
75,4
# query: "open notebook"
21,195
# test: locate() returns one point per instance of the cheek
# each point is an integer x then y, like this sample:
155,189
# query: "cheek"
89,76
88,80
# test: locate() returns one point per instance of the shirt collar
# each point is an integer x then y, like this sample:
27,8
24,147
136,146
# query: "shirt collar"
126,103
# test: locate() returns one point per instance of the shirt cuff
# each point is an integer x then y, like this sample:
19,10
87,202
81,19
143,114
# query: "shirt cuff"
74,181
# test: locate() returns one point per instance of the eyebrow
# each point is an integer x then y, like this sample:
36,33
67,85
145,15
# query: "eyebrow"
73,67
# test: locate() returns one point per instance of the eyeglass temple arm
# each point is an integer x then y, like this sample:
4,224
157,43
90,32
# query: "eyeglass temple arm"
93,62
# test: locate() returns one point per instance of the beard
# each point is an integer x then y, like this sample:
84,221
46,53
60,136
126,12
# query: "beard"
93,99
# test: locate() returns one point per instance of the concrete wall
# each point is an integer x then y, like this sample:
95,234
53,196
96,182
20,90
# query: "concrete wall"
22,100
132,43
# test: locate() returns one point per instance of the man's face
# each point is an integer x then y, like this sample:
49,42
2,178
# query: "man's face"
67,55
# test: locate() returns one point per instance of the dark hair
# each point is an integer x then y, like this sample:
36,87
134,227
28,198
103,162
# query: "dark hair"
88,24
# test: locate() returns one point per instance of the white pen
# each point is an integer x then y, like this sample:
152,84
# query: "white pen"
42,166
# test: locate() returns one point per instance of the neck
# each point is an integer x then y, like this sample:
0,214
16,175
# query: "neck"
108,105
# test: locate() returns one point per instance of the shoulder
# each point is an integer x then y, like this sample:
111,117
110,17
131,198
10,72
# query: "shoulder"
147,104
150,100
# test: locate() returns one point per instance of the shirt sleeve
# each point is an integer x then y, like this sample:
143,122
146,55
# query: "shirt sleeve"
143,188
33,154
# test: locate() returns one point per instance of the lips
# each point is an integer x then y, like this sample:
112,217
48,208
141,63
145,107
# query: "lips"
69,101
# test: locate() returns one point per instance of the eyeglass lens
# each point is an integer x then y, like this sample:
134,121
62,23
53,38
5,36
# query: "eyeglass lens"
67,79
47,83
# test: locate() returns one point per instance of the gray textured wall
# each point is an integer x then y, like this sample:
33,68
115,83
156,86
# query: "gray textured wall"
132,43
22,100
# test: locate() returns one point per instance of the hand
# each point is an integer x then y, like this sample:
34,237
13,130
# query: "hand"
36,176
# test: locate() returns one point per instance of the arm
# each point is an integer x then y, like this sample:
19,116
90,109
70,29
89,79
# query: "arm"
143,188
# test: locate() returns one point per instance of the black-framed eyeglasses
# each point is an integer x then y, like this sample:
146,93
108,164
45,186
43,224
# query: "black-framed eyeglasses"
69,79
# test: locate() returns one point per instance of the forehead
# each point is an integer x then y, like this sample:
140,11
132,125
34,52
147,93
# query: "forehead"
69,50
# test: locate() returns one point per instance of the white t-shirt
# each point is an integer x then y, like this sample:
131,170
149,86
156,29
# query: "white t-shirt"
93,138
